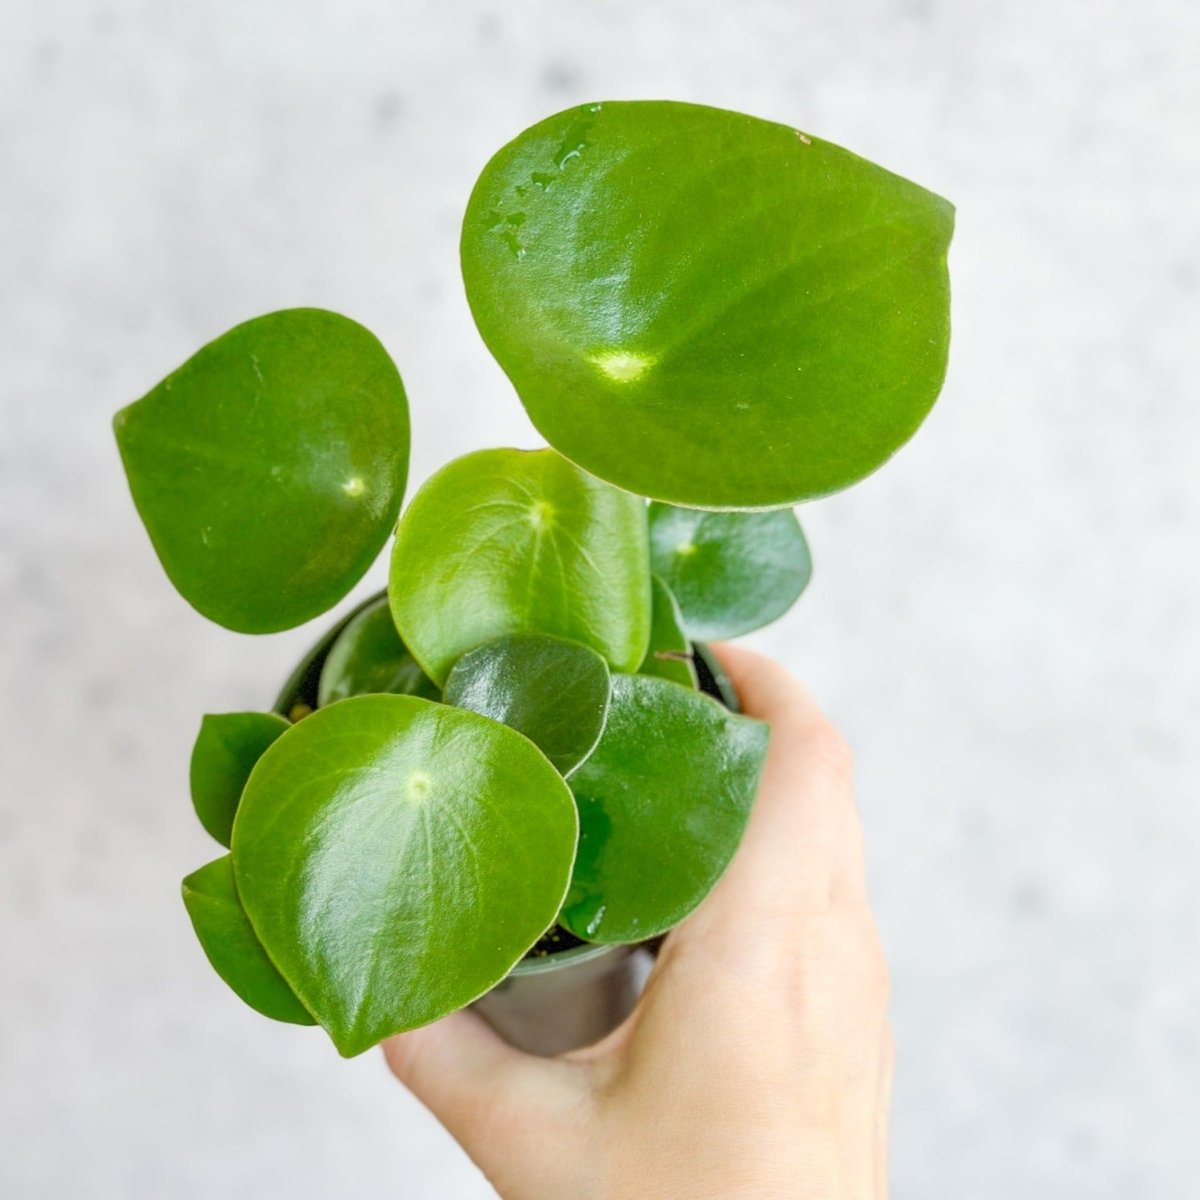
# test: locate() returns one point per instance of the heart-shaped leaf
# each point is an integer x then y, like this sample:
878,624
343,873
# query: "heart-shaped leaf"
226,749
705,307
516,541
554,692
663,801
369,656
232,947
270,467
397,857
731,572
670,653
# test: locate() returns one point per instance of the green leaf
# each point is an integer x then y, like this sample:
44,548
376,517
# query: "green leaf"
705,307
397,858
663,801
369,656
731,572
670,653
552,691
270,467
514,541
230,943
226,749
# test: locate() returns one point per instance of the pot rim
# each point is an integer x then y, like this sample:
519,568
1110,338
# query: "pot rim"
568,958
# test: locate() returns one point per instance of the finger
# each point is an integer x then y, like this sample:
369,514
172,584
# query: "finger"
803,844
492,1098
765,688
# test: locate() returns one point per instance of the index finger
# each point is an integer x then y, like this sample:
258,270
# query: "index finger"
803,844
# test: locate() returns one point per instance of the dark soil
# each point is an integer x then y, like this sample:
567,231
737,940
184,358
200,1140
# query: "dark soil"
554,941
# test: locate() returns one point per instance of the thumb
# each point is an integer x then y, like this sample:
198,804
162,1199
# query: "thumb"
498,1103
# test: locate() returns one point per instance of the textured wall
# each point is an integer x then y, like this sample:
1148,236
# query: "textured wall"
1004,620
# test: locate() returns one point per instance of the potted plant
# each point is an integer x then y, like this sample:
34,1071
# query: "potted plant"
506,763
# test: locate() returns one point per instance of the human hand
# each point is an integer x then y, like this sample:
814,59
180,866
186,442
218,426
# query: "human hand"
757,1064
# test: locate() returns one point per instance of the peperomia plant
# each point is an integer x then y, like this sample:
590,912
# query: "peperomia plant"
511,751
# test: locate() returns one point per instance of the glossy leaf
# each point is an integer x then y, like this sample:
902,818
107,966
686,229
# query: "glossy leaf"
369,656
708,308
554,692
397,857
232,947
270,467
663,801
670,653
513,541
226,749
731,572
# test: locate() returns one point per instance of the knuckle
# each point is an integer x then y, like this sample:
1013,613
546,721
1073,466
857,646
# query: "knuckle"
853,952
879,979
873,977
840,954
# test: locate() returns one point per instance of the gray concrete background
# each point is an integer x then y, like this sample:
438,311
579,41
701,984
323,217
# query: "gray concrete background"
1004,620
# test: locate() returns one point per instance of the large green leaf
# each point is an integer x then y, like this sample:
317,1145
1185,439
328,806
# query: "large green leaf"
232,947
705,307
270,467
397,857
554,692
515,541
670,653
663,801
731,572
226,749
369,656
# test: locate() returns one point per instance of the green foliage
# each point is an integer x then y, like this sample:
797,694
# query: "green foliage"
670,653
708,308
226,749
369,656
662,804
731,572
233,949
397,857
270,467
554,692
515,541
716,312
